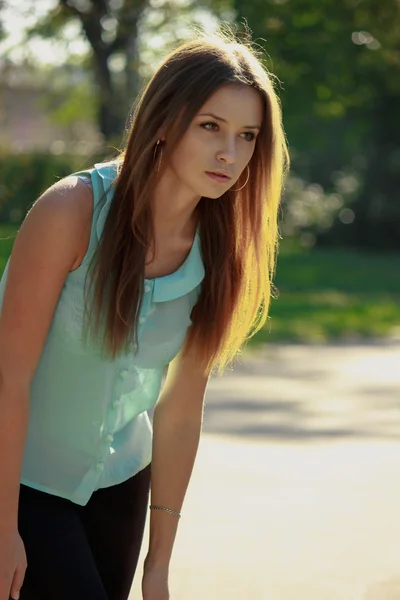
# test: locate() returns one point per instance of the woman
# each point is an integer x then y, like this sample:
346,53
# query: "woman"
163,256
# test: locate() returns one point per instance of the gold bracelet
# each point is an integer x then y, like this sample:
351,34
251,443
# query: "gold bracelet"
169,510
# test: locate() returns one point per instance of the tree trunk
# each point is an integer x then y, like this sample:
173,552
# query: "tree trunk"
132,79
111,122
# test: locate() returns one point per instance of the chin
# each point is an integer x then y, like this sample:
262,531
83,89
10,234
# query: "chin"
208,191
211,192
216,195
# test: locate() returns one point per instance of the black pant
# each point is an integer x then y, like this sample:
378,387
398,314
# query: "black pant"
83,552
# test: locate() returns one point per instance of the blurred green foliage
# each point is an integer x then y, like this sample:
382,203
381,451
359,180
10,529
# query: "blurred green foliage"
7,237
339,64
24,177
338,77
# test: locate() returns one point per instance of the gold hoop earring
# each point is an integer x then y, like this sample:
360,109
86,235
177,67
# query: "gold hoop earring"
248,177
158,144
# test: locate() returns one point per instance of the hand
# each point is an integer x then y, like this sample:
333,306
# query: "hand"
12,565
155,582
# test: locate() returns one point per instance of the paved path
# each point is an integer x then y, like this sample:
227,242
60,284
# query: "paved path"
296,489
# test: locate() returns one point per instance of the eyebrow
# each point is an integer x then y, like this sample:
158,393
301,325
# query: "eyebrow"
224,121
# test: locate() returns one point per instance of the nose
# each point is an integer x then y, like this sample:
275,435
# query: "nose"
227,154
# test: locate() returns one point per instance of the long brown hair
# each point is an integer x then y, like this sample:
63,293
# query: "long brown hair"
239,230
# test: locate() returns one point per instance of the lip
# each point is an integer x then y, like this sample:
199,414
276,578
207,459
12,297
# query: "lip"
219,176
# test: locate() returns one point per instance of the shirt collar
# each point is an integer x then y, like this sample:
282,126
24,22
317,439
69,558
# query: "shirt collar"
182,281
179,283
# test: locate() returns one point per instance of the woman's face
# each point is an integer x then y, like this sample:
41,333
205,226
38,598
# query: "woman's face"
220,139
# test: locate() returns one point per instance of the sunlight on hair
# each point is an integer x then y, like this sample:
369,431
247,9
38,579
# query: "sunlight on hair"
239,230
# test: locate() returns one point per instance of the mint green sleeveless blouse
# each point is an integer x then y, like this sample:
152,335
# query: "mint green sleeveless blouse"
88,422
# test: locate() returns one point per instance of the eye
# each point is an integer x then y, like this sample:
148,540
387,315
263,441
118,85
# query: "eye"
210,126
250,136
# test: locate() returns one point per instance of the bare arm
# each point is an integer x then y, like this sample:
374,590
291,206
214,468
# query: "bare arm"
47,247
177,427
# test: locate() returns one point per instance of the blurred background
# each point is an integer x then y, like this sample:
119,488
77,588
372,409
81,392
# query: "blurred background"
70,70
295,492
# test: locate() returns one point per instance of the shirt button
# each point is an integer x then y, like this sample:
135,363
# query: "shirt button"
109,438
142,320
147,288
100,466
124,373
116,403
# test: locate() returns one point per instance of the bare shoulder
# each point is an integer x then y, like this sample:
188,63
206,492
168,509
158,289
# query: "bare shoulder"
70,198
68,204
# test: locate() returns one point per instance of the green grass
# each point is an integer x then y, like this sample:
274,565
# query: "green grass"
323,295
334,294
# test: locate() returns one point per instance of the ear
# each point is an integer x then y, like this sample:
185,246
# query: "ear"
161,135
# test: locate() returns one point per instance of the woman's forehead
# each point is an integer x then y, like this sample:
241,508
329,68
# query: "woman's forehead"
235,102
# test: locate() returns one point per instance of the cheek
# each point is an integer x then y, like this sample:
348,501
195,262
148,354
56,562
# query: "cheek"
191,151
246,152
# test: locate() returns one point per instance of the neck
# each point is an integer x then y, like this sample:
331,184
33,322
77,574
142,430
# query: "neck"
173,208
